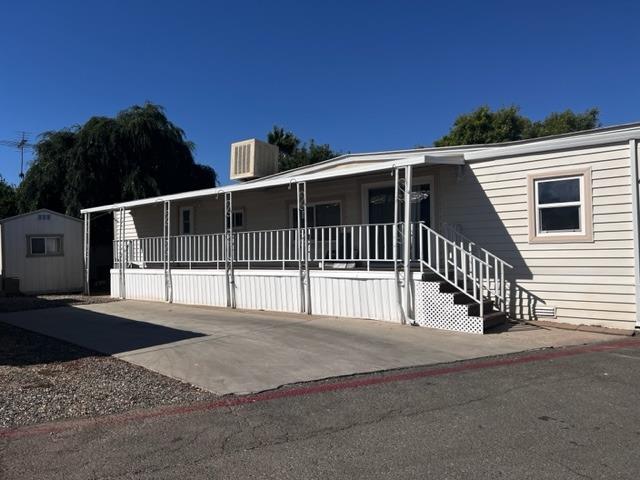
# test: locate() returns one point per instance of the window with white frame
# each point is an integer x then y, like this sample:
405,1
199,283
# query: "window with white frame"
45,246
560,207
186,221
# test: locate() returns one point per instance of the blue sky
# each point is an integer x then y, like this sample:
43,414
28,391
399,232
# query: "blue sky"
359,75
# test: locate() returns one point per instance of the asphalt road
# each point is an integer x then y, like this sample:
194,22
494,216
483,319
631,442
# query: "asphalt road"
566,414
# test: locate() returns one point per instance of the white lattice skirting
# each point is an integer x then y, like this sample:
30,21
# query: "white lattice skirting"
435,309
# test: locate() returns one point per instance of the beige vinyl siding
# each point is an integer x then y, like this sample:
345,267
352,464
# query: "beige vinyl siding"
588,283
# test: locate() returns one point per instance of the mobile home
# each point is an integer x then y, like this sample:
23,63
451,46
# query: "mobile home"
460,238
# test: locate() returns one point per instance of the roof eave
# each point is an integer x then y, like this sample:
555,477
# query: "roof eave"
563,143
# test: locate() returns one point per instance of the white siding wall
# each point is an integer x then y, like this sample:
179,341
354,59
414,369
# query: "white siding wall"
589,283
43,274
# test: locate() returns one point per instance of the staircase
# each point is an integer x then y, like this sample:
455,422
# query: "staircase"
462,287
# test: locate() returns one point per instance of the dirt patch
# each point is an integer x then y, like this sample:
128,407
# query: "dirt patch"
18,303
43,379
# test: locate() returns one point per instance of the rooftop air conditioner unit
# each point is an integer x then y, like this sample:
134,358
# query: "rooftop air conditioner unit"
253,159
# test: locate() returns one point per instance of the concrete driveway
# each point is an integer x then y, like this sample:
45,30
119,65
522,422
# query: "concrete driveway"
227,351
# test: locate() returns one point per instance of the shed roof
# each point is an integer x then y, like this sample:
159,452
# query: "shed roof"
35,212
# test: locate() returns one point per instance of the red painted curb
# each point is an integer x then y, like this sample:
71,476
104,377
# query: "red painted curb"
233,401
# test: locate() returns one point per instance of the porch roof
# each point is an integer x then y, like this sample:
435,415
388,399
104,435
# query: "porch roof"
342,166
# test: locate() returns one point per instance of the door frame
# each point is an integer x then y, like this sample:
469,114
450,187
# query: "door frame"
422,180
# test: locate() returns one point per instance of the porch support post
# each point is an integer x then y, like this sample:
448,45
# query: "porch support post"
86,251
166,233
229,250
396,236
406,254
122,249
303,248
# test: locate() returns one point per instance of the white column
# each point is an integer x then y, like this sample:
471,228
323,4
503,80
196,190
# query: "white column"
229,250
406,254
87,252
303,253
166,231
123,254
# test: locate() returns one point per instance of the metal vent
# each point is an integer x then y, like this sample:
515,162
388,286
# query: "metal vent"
241,159
544,311
253,159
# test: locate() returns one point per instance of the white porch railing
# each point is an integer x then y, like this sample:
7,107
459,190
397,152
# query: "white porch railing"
457,260
365,244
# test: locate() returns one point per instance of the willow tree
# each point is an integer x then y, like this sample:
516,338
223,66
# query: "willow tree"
137,154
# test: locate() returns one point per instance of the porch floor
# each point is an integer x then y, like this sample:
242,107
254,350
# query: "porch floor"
235,351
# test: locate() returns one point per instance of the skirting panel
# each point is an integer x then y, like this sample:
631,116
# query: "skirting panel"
195,288
341,294
374,298
435,309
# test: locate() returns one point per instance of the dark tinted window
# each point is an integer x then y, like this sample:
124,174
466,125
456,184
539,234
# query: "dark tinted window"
556,219
327,214
37,246
559,191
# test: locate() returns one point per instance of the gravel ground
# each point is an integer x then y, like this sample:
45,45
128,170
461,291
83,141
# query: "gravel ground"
43,379
27,302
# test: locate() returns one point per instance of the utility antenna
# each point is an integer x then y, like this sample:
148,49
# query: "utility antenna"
20,144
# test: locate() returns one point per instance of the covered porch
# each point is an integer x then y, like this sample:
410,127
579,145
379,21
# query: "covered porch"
331,242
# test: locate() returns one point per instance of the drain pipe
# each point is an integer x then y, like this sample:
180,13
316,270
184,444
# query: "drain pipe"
635,195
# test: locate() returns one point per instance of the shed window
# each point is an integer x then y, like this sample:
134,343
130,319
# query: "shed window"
560,207
186,220
45,246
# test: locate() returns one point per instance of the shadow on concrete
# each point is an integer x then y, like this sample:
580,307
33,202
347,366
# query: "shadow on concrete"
20,347
88,332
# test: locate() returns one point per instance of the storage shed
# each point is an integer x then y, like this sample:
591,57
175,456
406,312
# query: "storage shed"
41,252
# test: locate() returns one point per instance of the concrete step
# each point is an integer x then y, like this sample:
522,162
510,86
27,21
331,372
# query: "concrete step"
493,319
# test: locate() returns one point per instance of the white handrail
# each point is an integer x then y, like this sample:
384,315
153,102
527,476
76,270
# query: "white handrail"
456,266
495,274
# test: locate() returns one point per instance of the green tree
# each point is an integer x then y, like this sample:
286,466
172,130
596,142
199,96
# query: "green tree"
8,203
564,122
294,153
483,126
137,154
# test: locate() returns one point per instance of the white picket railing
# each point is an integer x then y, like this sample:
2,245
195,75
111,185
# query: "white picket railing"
265,246
368,244
496,266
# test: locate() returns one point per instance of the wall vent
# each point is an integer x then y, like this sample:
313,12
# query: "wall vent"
544,311
253,159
